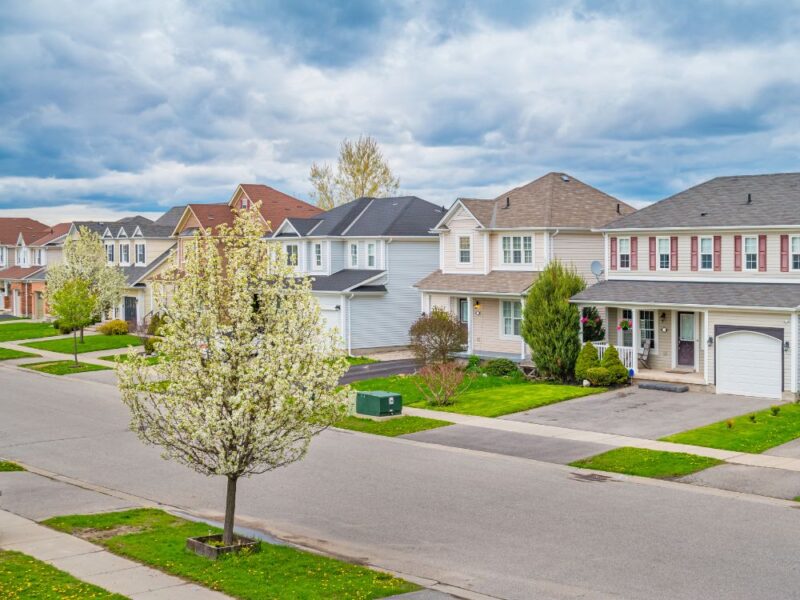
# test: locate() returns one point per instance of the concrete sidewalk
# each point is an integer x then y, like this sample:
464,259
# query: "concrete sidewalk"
608,439
93,564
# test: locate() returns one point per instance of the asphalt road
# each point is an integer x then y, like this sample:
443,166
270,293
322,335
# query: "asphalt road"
504,526
379,369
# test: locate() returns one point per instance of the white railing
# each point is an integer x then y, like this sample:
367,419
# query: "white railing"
626,354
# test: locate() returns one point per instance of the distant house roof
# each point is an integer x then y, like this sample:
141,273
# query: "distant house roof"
723,202
134,274
211,216
54,235
494,282
276,205
19,273
171,217
554,200
12,227
374,217
693,294
147,227
345,280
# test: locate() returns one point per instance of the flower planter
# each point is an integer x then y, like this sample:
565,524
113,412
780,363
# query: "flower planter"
211,546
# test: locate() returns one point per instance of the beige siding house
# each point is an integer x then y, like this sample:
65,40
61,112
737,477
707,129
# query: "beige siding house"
491,251
709,280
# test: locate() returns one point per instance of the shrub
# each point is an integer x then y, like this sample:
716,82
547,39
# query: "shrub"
473,364
774,410
154,324
619,374
599,376
752,418
149,344
115,327
61,328
729,423
440,383
437,335
589,358
500,367
610,357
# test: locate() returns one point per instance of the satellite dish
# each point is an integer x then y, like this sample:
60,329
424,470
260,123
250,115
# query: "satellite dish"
597,269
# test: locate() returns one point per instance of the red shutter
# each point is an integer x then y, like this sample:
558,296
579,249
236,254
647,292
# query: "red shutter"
762,253
737,253
634,253
784,253
652,254
613,254
673,253
694,253
717,252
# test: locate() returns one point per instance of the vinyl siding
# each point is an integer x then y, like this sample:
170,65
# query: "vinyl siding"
579,250
539,255
486,330
337,256
461,224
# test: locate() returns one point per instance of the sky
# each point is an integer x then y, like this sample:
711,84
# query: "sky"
116,108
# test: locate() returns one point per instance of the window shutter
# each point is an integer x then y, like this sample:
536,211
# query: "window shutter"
762,253
784,253
673,253
694,253
717,252
737,253
613,254
652,254
634,253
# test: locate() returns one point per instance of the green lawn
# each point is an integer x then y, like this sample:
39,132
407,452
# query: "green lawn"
26,330
360,360
391,427
9,354
486,396
746,436
8,466
150,360
91,343
22,576
64,367
647,463
156,538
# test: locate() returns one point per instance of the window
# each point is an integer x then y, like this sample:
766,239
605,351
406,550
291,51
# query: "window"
124,254
371,254
23,256
624,253
795,253
517,249
110,253
706,253
2,256
464,249
463,310
647,328
750,253
244,203
354,255
663,253
318,255
141,254
512,317
292,253
39,258
626,334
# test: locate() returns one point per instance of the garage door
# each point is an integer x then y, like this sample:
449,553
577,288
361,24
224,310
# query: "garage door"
749,364
332,317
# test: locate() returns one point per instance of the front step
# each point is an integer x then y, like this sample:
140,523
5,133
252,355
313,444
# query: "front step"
663,386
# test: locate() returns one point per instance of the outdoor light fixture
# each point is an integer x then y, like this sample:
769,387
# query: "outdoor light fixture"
710,341
786,346
663,317
477,304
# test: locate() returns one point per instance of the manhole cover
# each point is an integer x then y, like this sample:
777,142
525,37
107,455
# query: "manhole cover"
591,477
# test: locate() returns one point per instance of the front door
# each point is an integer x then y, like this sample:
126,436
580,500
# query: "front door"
686,327
130,309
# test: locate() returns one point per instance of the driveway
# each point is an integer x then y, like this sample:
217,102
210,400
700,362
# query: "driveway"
379,369
642,413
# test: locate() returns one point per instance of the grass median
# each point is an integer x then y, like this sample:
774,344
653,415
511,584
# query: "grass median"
64,367
90,343
391,427
647,463
9,354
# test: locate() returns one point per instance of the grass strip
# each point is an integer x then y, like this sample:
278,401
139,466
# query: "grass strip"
64,367
360,360
391,427
26,330
647,463
150,360
90,343
9,354
6,466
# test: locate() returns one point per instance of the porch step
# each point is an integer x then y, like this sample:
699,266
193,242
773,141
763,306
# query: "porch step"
663,386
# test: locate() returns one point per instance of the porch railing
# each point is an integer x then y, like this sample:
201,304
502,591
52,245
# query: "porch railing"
626,354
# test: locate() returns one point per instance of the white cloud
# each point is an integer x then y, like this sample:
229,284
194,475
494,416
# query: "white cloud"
66,213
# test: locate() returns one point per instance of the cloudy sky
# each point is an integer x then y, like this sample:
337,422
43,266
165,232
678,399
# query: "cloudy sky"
110,108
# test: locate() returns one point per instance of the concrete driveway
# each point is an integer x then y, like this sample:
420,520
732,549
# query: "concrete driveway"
642,413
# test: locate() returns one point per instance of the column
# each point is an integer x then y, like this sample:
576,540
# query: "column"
470,318
793,354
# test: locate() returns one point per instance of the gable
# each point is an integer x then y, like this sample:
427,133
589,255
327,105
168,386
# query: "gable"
459,216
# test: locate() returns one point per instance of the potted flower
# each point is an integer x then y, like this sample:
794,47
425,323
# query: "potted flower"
625,325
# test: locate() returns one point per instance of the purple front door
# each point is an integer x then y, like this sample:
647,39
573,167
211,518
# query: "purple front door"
686,339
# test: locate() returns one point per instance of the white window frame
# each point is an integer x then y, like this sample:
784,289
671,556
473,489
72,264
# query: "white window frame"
23,256
353,255
511,250
136,247
295,253
513,318
622,332
317,248
459,249
620,254
700,253
38,257
654,347
792,253
754,238
3,256
110,257
127,261
659,253
372,255
244,204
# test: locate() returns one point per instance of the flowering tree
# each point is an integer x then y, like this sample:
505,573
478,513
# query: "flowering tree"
250,372
73,306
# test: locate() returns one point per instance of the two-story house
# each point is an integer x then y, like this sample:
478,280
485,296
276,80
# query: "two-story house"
492,251
364,257
14,230
709,279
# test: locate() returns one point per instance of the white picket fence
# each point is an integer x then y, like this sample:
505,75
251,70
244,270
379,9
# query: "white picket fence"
626,354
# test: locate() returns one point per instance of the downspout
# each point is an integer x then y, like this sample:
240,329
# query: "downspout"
349,327
552,245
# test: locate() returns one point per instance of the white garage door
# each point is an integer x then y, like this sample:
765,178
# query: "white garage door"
749,364
332,316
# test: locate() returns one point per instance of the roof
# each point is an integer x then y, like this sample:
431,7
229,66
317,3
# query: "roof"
148,228
134,274
722,202
55,232
18,273
12,227
374,217
554,200
344,280
171,217
275,205
684,293
212,215
495,282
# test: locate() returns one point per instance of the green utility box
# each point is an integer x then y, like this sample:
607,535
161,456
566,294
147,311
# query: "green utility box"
379,404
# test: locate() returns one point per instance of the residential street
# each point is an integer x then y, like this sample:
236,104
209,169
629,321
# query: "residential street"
502,526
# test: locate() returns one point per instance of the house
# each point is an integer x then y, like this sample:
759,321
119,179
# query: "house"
23,278
364,257
491,252
710,279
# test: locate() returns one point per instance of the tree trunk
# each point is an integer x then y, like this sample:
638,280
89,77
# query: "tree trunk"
81,335
230,509
75,346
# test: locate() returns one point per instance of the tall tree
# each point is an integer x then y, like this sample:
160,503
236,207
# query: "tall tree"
550,324
361,171
73,306
251,366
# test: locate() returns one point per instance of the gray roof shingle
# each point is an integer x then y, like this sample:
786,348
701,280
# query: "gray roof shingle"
147,227
171,217
134,273
346,279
